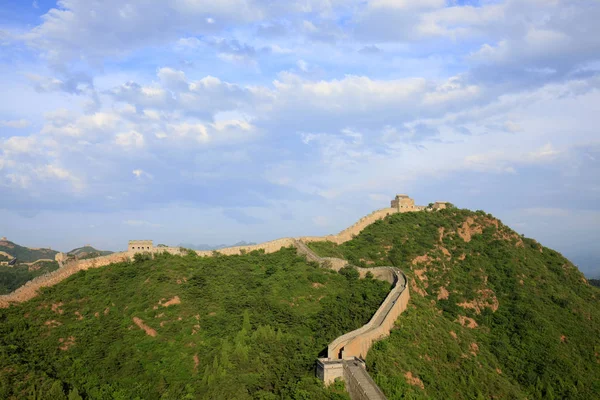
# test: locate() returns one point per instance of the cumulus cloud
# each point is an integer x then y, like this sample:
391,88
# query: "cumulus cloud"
248,106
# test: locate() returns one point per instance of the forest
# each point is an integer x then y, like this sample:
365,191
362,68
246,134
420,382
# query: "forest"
172,327
12,277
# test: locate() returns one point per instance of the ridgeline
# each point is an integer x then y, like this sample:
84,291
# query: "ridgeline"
491,315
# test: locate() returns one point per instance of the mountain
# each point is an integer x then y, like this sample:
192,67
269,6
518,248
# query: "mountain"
12,277
492,314
25,254
206,247
595,282
87,251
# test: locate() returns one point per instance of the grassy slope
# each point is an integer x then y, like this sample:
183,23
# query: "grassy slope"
542,341
256,324
13,277
25,254
88,252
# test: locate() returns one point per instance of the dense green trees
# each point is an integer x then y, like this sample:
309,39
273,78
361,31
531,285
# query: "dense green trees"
15,276
535,330
246,326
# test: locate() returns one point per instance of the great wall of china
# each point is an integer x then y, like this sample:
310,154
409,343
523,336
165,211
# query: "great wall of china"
346,354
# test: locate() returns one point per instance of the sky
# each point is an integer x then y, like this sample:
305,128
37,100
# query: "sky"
190,121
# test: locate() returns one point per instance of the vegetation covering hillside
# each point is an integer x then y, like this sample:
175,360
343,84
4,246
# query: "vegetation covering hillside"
87,252
25,254
491,315
13,277
236,327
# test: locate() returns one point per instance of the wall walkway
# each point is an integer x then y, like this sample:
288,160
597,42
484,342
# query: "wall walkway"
344,354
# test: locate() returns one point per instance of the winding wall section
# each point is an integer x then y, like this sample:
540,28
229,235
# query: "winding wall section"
345,354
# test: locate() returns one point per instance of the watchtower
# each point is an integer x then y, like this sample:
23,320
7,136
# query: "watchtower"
403,203
140,246
440,205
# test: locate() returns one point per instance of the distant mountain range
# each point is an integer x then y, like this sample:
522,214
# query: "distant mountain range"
206,247
9,250
24,254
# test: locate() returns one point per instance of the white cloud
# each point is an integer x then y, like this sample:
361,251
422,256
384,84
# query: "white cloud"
130,139
17,124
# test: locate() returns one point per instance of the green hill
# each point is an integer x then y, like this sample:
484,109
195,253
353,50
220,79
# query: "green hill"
237,327
491,315
87,252
12,277
25,254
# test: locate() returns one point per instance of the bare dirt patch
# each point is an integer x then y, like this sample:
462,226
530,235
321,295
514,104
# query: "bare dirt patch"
441,230
196,362
443,294
453,334
468,229
149,331
462,257
172,302
66,343
195,329
416,289
56,308
468,322
487,299
563,339
424,259
499,371
52,323
420,273
317,285
78,315
413,380
445,251
474,348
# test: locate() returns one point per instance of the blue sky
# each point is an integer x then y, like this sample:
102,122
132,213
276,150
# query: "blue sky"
214,122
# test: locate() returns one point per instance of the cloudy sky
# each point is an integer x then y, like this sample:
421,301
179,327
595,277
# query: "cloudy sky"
218,121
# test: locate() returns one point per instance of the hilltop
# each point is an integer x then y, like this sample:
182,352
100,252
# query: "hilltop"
25,254
87,251
492,314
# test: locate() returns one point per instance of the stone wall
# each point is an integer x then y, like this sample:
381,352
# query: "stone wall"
358,342
268,247
348,233
30,289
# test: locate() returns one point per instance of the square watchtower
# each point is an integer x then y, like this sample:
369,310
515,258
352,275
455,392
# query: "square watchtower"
140,246
403,203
